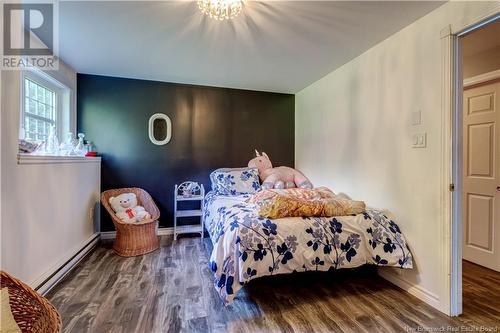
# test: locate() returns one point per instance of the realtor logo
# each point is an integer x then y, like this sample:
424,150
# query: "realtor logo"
29,36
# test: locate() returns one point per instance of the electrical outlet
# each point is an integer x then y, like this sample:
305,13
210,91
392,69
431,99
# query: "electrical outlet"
91,214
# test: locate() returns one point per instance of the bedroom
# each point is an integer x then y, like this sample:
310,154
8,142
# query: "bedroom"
165,93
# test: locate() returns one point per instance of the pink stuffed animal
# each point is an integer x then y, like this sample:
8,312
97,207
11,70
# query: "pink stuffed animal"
279,177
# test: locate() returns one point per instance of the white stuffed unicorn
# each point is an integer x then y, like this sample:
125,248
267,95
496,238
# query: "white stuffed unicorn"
279,177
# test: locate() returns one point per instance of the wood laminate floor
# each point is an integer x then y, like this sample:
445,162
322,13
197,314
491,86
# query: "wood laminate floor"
171,290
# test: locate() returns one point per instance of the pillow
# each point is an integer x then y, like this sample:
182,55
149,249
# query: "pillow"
235,181
7,324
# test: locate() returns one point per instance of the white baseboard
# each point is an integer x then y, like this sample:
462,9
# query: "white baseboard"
54,274
415,290
161,231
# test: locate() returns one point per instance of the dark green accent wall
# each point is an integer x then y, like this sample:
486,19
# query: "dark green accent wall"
211,128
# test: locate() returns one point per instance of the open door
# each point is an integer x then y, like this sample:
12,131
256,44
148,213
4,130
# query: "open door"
481,176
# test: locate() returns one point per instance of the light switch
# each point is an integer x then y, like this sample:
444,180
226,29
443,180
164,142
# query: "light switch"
416,118
419,140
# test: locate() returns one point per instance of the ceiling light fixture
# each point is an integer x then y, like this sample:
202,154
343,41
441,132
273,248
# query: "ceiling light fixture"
221,9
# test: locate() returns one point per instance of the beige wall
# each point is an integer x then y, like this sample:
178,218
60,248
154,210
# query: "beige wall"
354,134
481,63
46,214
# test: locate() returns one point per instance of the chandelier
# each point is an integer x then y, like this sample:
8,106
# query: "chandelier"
221,9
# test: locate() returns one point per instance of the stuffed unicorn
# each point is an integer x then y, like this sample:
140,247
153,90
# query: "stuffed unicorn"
279,177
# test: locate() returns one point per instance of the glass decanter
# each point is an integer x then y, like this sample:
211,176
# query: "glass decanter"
67,145
52,143
79,149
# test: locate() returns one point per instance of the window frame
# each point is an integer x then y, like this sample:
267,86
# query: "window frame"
60,90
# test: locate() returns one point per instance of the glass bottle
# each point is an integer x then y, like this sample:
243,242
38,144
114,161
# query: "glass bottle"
67,145
80,147
52,143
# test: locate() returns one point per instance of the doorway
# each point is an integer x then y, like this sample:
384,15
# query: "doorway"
478,159
480,149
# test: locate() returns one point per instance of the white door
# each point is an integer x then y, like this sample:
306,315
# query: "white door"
481,170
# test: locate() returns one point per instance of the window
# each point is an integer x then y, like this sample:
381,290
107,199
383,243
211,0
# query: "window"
39,110
45,104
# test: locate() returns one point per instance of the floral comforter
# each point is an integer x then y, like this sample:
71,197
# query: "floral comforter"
247,246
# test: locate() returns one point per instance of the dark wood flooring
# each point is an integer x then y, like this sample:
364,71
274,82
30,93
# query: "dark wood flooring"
481,295
171,290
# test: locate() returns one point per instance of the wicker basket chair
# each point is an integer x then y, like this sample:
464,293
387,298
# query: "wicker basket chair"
32,312
134,239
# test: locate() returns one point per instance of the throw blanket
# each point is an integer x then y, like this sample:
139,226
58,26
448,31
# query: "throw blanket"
275,204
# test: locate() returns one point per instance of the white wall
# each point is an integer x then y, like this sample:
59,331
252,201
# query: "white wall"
354,134
46,214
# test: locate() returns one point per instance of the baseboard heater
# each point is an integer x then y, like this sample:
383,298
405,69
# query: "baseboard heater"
46,285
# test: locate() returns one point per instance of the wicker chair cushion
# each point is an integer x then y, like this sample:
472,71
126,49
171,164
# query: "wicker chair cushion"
7,324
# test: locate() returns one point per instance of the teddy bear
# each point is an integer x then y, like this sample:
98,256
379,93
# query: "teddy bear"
126,208
279,177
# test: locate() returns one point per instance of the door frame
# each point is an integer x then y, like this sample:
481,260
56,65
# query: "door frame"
482,78
452,182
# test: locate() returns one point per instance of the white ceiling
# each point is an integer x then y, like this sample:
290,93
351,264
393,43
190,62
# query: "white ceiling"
280,46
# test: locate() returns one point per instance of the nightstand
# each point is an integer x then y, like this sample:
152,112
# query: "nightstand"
188,191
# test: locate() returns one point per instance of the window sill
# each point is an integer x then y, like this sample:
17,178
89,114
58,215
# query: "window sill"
46,159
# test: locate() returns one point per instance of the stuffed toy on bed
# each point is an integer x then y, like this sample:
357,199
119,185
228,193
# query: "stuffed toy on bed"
279,177
126,208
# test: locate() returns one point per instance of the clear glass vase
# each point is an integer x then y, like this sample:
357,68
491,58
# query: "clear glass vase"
67,145
79,149
52,143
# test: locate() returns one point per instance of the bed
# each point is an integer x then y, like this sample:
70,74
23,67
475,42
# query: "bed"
247,246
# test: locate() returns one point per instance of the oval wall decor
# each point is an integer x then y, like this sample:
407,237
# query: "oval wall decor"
168,124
